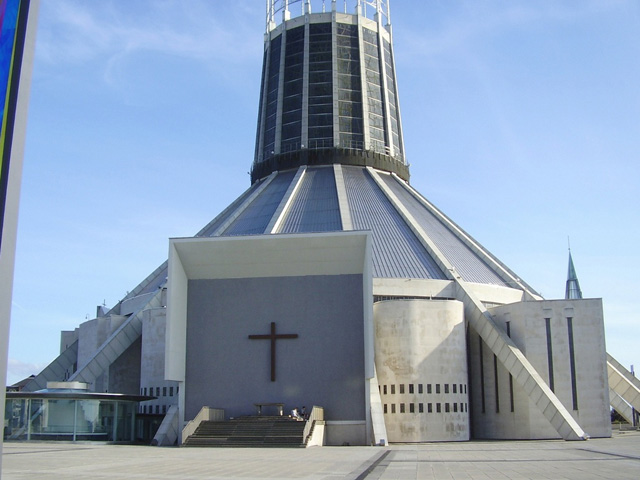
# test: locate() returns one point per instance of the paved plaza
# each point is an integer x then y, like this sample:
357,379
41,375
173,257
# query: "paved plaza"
613,458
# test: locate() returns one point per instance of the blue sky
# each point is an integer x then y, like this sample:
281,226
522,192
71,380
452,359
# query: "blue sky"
521,122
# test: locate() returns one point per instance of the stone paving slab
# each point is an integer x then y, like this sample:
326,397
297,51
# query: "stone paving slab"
65,461
614,458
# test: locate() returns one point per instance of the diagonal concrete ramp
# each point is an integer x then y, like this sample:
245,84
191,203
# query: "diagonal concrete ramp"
482,322
623,384
116,344
55,371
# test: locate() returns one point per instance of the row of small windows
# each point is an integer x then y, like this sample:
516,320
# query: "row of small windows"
448,388
155,391
448,408
150,409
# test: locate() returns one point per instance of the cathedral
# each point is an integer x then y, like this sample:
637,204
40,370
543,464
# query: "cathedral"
332,283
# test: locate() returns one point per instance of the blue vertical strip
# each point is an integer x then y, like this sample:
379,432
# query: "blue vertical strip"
13,30
8,24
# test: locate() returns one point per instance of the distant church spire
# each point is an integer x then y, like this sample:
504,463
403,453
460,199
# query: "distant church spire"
573,291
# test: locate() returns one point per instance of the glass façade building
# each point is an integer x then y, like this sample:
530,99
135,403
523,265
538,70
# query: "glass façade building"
328,91
67,411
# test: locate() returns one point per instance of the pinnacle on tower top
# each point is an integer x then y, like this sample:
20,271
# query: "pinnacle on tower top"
279,11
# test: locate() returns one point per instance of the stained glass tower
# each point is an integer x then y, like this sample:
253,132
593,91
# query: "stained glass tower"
328,92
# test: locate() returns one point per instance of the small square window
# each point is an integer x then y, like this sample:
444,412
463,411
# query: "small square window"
393,389
402,408
437,388
438,407
411,388
419,388
393,408
412,408
429,407
421,407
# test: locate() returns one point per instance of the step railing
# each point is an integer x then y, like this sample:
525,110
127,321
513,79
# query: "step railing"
206,414
317,414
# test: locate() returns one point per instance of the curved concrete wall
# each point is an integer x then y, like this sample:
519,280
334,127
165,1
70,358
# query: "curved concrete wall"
421,364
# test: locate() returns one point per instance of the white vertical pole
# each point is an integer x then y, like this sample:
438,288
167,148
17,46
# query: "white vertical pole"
75,419
115,422
28,419
8,232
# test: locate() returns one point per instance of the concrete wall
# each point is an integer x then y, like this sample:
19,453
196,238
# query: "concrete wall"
91,335
124,373
67,338
421,362
152,364
528,329
323,366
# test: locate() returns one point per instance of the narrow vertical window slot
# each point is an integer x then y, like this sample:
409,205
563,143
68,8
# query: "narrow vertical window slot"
572,360
547,322
481,374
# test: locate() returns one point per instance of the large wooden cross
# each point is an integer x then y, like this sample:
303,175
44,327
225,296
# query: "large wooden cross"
273,337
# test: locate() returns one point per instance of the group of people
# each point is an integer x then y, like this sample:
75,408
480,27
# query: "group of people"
300,414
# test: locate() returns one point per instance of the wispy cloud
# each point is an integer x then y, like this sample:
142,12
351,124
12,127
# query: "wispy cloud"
18,370
73,31
467,21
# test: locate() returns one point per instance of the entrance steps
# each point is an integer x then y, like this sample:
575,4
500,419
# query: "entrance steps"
260,431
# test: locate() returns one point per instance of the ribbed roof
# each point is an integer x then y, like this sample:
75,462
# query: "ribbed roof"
469,265
306,200
397,252
314,205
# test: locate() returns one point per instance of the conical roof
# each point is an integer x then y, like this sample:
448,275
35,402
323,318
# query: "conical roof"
340,198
